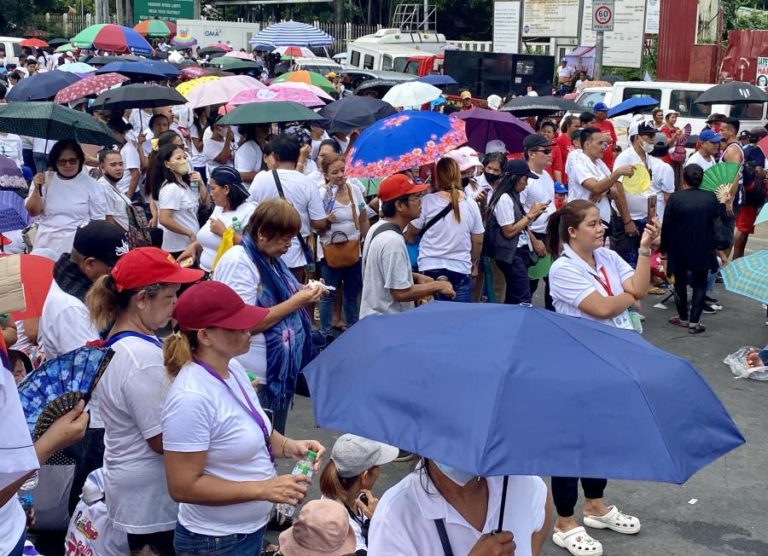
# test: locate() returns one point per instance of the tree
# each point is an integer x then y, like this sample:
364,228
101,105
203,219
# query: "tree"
744,14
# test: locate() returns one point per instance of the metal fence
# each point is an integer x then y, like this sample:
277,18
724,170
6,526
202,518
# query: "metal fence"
66,24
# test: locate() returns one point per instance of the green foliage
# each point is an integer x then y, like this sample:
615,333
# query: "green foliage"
752,16
18,16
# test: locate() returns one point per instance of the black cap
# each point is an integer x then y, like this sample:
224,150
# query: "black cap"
519,168
744,135
535,141
101,240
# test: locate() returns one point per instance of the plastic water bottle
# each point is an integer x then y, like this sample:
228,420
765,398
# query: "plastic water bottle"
302,467
31,483
237,226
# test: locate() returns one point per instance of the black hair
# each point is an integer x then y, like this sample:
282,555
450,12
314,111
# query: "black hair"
566,123
285,149
506,185
227,176
61,146
164,154
548,123
154,118
333,143
586,117
3,90
389,208
104,153
155,176
693,175
734,123
498,157
586,133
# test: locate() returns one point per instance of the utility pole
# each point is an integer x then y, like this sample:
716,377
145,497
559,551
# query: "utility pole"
599,41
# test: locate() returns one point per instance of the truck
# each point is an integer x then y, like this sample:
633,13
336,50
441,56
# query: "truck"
234,33
424,64
491,73
391,49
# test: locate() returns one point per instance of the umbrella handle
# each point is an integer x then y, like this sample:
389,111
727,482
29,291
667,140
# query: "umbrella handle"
503,503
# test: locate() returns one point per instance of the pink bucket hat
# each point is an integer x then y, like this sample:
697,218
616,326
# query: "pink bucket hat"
465,157
322,529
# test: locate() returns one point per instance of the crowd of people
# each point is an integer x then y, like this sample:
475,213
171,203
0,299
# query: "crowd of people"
216,261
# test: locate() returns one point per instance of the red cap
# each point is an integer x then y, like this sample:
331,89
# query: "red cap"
215,305
149,265
397,186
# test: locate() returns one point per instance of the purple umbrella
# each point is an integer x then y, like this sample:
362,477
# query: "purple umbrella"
13,190
485,125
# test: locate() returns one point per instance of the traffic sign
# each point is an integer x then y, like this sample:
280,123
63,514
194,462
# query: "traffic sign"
603,15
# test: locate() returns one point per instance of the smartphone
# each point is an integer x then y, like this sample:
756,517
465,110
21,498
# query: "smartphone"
363,498
651,208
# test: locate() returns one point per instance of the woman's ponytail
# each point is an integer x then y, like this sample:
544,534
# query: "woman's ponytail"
177,351
102,302
332,485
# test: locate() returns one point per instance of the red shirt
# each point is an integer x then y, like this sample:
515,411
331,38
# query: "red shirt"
666,130
566,146
606,127
558,162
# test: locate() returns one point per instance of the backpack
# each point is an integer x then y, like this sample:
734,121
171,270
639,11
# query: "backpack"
754,188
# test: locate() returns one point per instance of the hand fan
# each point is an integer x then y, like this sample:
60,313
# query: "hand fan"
677,153
720,174
639,182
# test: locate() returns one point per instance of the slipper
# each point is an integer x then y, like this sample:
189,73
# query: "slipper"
577,542
677,321
615,521
696,328
657,291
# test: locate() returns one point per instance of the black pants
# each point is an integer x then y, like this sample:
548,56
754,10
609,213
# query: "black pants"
534,284
160,543
516,276
89,456
698,282
565,492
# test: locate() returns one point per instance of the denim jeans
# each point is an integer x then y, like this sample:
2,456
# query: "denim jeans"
462,284
516,275
188,543
352,278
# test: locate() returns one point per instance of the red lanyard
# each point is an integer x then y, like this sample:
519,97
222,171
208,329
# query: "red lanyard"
607,284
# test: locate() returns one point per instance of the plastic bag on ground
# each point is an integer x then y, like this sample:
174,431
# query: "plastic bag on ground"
737,361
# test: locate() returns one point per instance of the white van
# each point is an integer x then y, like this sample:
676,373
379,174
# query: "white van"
323,66
381,57
12,48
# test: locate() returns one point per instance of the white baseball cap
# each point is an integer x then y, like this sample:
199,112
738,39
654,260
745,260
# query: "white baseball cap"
354,454
495,146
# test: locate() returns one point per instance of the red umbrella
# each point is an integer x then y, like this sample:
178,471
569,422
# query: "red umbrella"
34,43
89,86
193,72
222,46
36,279
763,144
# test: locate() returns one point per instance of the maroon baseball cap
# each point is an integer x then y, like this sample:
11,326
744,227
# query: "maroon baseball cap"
212,304
397,186
149,265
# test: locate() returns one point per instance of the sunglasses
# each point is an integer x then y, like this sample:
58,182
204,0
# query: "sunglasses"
544,151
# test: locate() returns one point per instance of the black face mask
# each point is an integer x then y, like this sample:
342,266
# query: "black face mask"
465,181
491,178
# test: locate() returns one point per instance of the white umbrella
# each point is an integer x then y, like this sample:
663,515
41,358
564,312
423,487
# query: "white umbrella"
411,94
295,52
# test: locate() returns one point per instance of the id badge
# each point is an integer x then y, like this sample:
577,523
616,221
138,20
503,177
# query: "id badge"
623,321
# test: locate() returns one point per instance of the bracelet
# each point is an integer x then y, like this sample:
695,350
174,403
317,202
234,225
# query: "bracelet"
282,448
644,252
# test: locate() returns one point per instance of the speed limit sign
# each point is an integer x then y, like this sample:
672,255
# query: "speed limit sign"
603,15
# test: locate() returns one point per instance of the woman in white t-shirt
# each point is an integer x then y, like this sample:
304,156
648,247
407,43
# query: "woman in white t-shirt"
218,146
233,210
10,146
345,206
178,199
196,132
64,199
451,231
219,444
135,299
249,157
590,281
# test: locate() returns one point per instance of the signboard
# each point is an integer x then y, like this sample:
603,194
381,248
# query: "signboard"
623,47
652,17
551,18
163,9
506,27
761,79
234,33
602,15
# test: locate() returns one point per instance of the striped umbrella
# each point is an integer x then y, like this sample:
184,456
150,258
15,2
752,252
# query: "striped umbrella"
112,38
184,40
309,77
292,33
155,28
747,276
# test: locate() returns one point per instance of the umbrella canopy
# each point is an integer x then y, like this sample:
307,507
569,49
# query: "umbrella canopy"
167,69
605,403
735,92
221,46
185,88
140,71
65,48
262,47
42,86
379,86
276,93
317,91
76,67
292,33
33,43
268,112
540,106
411,94
193,72
240,55
229,63
288,52
213,51
309,77
438,80
47,120
403,141
13,214
55,43
485,125
11,177
155,28
747,276
184,40
103,60
90,86
36,278
352,113
112,38
220,91
138,95
632,105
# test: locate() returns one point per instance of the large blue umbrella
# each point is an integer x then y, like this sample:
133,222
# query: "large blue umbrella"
438,80
632,105
504,390
139,71
42,86
292,33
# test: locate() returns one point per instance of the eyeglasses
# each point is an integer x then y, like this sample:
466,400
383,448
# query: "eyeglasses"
544,151
68,162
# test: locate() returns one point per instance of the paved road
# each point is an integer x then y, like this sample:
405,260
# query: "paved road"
730,515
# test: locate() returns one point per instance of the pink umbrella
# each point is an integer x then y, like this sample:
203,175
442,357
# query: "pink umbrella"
90,86
314,89
239,55
222,46
221,90
277,93
193,71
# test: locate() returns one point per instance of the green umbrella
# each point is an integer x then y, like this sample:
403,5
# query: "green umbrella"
310,77
153,28
65,48
47,120
229,63
269,112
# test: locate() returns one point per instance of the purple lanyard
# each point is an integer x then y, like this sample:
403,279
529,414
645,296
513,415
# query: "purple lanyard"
250,409
131,334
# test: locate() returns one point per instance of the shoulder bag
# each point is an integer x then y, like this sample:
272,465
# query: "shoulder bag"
303,242
344,252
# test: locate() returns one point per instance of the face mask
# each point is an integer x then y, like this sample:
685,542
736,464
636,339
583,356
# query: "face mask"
458,476
491,178
464,181
648,148
181,167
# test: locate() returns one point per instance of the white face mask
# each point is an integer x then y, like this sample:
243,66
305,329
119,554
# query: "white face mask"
458,476
648,147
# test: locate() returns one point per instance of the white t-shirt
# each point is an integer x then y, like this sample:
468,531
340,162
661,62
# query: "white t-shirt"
405,517
481,185
705,164
386,266
447,244
504,211
582,171
197,159
248,157
566,71
237,270
541,190
117,203
210,242
302,193
344,222
212,149
10,146
203,415
131,396
131,161
574,157
638,204
571,281
183,201
17,458
67,204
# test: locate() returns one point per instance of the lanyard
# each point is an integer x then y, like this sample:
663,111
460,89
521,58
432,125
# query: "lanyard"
607,284
131,334
250,409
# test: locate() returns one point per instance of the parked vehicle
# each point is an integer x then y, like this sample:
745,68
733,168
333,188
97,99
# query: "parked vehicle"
322,66
422,65
12,48
390,49
489,73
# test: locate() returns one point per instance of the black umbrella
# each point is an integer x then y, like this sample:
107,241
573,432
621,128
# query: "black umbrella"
540,106
57,42
42,86
103,60
355,112
46,120
139,95
212,50
379,86
735,92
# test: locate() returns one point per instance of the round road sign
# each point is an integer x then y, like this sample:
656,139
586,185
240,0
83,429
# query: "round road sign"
603,15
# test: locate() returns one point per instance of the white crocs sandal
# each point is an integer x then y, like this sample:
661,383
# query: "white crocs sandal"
615,521
578,542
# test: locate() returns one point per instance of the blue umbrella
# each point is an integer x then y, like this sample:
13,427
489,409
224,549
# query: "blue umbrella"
438,80
13,213
632,105
292,33
166,68
76,67
504,390
42,86
140,71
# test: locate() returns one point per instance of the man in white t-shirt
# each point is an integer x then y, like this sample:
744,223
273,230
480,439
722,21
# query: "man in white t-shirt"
565,73
389,284
709,146
297,189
